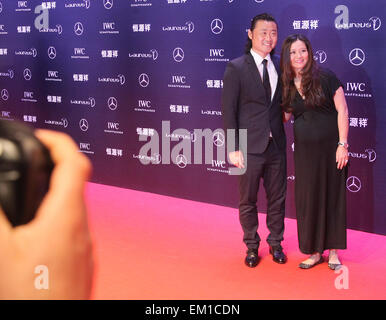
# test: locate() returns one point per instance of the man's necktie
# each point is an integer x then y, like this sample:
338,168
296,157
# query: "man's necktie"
267,86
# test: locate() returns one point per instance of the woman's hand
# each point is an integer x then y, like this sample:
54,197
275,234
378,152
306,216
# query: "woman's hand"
341,157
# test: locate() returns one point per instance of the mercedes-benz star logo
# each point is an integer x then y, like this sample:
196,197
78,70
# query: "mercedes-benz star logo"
181,161
178,54
51,52
83,124
216,26
78,28
218,139
87,3
108,4
143,80
112,103
1,7
4,94
357,57
320,56
376,22
353,184
11,74
27,74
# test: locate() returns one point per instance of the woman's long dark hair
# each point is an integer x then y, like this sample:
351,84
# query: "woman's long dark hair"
310,82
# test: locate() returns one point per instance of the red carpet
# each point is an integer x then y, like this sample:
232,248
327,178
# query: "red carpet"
149,246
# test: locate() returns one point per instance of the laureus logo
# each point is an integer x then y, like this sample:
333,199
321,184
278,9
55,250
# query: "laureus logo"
65,122
122,79
34,52
320,56
190,26
376,23
372,155
342,21
92,102
154,54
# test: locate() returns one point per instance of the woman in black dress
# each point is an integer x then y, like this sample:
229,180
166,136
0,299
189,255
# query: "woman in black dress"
315,97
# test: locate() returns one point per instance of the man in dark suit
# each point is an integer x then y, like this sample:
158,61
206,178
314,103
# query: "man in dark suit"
251,100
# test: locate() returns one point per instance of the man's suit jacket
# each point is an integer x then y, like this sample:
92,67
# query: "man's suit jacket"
244,105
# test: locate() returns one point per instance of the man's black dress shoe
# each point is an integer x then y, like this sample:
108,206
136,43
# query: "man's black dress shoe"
278,254
252,258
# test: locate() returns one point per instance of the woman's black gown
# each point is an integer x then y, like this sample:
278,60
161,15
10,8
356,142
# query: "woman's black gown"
320,188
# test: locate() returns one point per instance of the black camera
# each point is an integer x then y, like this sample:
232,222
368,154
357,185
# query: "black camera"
25,171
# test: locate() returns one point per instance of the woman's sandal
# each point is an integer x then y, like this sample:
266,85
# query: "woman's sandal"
308,266
334,266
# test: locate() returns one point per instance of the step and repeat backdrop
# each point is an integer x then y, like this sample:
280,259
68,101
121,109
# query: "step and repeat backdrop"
137,84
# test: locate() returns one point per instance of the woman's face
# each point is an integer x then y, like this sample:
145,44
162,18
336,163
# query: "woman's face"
298,55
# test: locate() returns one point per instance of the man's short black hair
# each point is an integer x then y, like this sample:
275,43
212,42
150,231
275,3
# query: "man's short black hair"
263,17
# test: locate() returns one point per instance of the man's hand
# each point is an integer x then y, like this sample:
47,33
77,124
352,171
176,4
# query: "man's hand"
237,159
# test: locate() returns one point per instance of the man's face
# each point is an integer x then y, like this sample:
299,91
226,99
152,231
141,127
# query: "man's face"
264,37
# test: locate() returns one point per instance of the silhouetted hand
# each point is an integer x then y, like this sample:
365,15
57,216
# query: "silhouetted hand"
51,257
